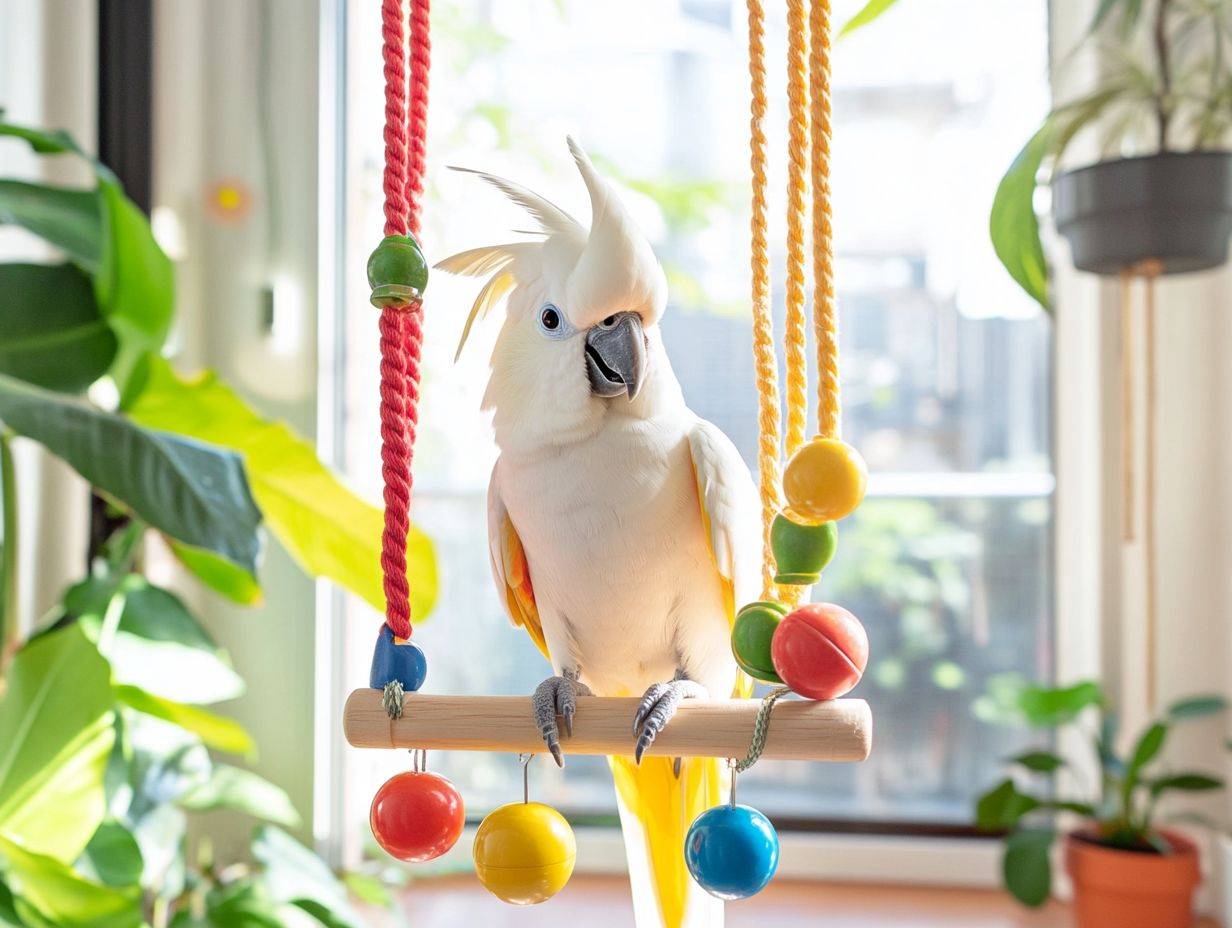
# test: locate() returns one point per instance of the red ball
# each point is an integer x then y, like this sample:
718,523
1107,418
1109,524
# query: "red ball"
820,650
416,816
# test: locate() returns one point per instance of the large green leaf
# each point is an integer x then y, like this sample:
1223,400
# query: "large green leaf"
68,218
865,15
51,331
113,856
221,576
194,493
1196,707
159,646
135,281
55,736
329,530
1186,782
136,289
242,790
1002,806
1012,223
296,875
50,894
1026,867
1048,706
219,732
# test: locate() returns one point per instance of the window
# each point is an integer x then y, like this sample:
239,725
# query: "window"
947,366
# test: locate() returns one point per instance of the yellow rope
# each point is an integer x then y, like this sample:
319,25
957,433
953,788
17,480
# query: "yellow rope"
825,307
797,187
768,412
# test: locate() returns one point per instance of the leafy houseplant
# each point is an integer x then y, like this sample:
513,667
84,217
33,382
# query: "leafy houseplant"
105,738
1169,79
1127,870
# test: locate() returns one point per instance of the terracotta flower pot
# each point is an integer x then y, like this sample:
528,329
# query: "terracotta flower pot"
1129,889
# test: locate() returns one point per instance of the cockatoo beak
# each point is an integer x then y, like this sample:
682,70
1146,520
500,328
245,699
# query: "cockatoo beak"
616,356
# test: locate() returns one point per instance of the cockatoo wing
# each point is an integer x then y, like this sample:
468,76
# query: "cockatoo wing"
731,515
509,567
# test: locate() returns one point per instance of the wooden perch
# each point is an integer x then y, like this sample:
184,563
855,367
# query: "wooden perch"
800,729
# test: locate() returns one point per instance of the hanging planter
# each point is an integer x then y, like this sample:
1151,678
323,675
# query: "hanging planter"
1174,208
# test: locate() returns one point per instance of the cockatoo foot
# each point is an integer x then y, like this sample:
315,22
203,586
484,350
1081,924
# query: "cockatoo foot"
657,708
557,696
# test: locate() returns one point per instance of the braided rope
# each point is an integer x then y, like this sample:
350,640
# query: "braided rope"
401,327
761,728
797,158
825,307
769,412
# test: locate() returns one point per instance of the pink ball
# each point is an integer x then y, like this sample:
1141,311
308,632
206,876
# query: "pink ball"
820,650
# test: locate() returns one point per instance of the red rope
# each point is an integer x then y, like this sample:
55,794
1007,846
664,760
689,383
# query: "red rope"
401,329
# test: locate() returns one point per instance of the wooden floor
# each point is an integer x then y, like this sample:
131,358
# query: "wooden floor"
603,902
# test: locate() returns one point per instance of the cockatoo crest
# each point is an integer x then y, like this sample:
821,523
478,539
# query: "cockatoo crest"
591,274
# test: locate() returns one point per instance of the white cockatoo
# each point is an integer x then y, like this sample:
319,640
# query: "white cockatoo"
623,528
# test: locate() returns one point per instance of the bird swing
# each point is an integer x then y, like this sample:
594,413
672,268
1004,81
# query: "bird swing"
524,852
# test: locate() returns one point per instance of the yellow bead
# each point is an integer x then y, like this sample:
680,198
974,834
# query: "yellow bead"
824,481
524,853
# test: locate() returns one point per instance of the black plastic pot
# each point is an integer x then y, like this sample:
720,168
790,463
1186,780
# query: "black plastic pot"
1175,208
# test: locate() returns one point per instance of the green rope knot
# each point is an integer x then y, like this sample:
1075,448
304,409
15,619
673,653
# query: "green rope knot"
391,699
761,727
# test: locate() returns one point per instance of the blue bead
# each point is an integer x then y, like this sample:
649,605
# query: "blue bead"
732,851
403,662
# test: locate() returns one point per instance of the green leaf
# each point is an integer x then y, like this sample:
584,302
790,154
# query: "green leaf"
194,493
1147,748
1002,806
367,888
329,530
1196,707
217,731
51,332
1026,867
113,855
161,648
244,791
869,12
1185,782
221,576
45,142
1012,223
1050,706
68,218
56,734
8,913
135,287
1039,761
50,894
294,874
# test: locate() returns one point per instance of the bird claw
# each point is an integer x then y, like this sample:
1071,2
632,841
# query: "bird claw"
556,696
656,709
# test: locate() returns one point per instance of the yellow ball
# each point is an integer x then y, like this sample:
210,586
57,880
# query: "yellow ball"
824,481
524,853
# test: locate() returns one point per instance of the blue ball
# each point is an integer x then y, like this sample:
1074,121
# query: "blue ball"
401,661
732,851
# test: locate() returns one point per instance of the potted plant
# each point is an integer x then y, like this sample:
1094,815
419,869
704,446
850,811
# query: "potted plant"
1128,871
1167,85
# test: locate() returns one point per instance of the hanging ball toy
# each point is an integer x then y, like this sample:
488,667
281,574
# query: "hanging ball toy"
751,636
524,853
820,650
397,272
824,481
732,851
416,816
397,659
801,552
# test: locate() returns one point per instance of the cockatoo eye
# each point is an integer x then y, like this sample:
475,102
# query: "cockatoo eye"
551,322
608,323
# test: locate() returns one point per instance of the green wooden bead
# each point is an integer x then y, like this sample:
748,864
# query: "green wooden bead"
801,552
397,272
751,636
